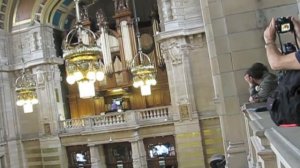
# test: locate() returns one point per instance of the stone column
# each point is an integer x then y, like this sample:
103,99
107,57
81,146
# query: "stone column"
97,156
9,118
176,52
52,152
138,154
50,99
226,94
9,121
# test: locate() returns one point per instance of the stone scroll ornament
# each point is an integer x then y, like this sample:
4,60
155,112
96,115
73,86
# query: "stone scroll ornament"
174,51
184,111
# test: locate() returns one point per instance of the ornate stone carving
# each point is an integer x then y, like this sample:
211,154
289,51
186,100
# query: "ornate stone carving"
184,111
174,51
101,19
35,42
120,5
183,105
166,10
84,13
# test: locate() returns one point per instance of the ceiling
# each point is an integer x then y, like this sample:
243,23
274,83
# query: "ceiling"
61,13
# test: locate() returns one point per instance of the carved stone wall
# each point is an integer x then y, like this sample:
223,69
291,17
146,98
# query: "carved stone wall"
234,38
179,14
35,46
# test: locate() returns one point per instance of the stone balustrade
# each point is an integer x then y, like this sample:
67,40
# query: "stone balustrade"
270,146
118,120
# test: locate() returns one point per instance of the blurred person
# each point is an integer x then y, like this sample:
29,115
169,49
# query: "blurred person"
261,82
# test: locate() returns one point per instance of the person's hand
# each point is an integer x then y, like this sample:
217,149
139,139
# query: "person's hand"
251,100
269,33
296,23
249,79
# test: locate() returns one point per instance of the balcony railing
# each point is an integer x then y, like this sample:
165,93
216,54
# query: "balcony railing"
118,120
270,146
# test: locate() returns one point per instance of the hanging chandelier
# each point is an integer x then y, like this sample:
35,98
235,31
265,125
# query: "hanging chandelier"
26,92
82,57
143,73
142,69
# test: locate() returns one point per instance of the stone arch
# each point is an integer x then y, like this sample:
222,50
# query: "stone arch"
26,13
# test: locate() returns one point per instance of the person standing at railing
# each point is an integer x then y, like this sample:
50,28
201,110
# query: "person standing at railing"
261,82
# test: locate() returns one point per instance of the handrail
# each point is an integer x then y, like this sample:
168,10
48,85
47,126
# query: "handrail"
269,144
126,119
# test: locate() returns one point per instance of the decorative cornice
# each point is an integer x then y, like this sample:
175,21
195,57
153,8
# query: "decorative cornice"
32,63
162,36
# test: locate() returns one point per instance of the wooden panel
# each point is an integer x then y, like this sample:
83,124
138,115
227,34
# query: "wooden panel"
137,101
99,105
160,97
86,107
73,108
166,98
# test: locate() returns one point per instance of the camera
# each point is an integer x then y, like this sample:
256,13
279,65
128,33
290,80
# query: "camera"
288,48
284,24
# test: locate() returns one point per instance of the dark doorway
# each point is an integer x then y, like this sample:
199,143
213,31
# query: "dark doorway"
118,155
161,152
79,156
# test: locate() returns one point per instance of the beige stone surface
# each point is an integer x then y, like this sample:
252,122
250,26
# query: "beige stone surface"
228,84
225,62
273,3
245,58
216,9
241,22
200,64
222,45
242,85
234,7
215,68
246,40
219,27
232,105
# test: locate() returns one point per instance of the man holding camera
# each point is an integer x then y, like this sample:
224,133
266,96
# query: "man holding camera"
275,57
284,104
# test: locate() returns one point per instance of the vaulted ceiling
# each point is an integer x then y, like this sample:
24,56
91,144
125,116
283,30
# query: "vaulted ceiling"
58,13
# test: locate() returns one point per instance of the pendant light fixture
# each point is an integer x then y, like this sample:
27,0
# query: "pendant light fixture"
26,91
142,69
82,57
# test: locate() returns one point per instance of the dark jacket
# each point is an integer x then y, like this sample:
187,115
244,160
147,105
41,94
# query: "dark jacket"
268,84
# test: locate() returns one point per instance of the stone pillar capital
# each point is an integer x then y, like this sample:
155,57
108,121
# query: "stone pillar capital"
174,51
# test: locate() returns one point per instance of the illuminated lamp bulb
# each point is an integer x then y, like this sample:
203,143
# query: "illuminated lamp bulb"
135,84
70,79
28,108
78,75
153,82
145,90
34,101
86,89
99,75
91,75
140,83
20,102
